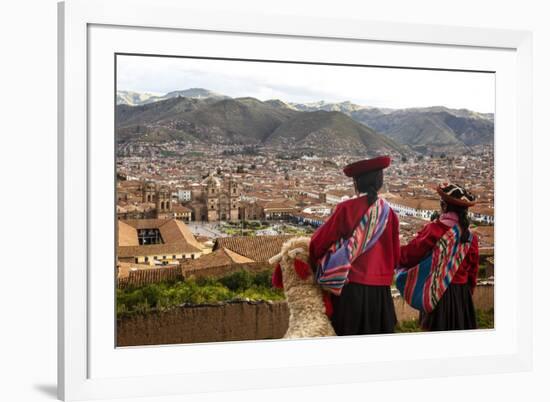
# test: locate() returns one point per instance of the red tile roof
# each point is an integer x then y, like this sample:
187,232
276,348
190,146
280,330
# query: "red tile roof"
257,248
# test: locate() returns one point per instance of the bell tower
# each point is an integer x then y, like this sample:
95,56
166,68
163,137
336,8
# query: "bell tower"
163,201
148,191
212,199
234,195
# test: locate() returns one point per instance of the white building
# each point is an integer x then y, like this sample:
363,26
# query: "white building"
336,198
426,214
403,210
321,210
482,218
184,195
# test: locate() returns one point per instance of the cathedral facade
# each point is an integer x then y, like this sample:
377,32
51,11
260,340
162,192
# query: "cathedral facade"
216,201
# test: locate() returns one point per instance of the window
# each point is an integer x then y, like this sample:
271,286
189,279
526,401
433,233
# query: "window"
174,257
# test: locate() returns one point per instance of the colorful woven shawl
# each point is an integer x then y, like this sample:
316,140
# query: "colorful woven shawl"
334,267
423,285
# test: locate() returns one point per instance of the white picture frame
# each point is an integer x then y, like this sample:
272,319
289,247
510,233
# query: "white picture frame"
90,32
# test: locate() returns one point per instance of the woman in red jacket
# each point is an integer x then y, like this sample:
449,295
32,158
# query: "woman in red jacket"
365,305
455,310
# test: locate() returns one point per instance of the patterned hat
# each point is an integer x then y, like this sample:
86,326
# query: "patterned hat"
368,165
456,195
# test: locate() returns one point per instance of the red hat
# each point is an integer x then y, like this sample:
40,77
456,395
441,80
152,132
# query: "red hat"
455,195
368,165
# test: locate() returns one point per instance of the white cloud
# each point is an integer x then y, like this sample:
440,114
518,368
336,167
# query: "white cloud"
369,86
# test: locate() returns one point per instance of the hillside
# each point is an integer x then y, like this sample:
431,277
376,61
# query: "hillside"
240,121
431,129
331,131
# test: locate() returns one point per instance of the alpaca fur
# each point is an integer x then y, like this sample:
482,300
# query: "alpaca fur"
304,296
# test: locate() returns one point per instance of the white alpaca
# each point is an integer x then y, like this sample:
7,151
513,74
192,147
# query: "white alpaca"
303,294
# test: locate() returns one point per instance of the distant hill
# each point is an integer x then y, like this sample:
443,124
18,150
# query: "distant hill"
431,129
133,98
247,121
230,121
236,121
332,131
136,98
343,107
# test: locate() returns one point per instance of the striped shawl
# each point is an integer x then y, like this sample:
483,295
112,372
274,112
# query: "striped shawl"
423,285
333,268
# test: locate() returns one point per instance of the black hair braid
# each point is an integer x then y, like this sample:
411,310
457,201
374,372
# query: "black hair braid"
370,183
372,194
463,221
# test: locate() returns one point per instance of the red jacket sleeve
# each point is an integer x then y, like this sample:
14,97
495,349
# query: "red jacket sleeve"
473,264
424,241
335,228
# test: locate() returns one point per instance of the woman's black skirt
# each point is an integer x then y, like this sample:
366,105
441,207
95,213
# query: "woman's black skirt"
363,309
455,311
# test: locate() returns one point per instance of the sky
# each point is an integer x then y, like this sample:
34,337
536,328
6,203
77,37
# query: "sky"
302,83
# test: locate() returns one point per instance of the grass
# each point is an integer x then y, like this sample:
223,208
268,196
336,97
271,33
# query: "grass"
240,285
485,320
408,326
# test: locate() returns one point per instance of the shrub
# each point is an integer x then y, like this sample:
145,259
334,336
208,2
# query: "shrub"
485,319
238,281
163,296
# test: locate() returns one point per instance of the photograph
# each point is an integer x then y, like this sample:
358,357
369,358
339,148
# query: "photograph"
265,199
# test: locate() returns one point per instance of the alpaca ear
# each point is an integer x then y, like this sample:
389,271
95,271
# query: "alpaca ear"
302,269
277,277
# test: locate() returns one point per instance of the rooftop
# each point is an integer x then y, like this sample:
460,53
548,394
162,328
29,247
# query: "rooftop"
176,236
257,248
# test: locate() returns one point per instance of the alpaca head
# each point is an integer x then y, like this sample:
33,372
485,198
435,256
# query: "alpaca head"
293,267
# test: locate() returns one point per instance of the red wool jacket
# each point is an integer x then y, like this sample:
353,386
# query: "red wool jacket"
376,266
425,241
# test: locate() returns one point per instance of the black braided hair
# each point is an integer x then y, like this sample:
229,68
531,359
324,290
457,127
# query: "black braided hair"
463,220
370,183
462,212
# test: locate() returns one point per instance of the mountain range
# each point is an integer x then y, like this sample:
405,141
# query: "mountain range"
142,98
198,114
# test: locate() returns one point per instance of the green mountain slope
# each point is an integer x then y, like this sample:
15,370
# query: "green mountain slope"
331,131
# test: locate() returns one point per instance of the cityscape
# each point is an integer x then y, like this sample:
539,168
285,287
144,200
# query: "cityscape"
219,191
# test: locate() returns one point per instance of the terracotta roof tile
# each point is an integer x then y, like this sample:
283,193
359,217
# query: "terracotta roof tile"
175,234
257,248
219,258
127,235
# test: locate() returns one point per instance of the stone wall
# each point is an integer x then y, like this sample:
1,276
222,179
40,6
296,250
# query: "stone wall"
225,322
234,321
